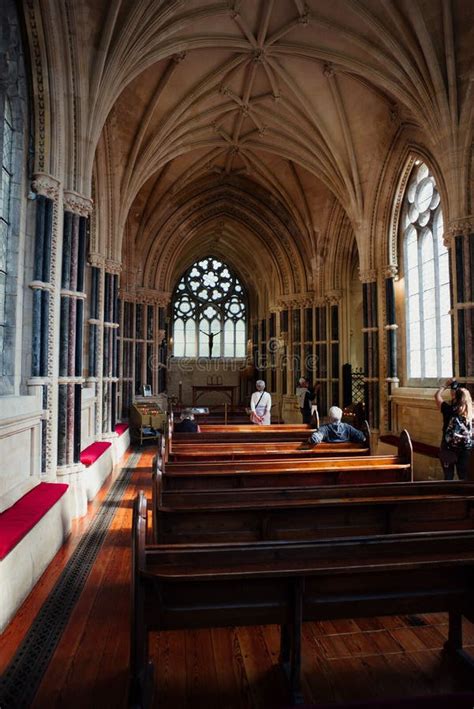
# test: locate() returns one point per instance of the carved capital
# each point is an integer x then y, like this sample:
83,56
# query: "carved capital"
152,297
96,260
77,203
368,275
464,225
112,266
45,185
334,297
390,271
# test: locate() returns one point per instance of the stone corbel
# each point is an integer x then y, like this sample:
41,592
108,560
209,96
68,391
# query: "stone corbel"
112,266
458,227
45,185
390,271
77,203
334,297
368,275
96,260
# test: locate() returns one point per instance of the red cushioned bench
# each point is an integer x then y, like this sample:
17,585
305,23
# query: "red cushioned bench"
90,454
20,518
121,428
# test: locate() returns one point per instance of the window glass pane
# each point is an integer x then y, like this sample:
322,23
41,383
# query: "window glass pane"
430,362
414,309
429,304
415,364
444,299
446,360
190,330
2,297
413,281
443,262
415,340
3,245
229,339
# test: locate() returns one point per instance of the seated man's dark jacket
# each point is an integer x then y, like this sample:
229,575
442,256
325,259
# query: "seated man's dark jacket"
186,426
337,433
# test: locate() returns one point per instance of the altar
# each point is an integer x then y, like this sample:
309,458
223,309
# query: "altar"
228,391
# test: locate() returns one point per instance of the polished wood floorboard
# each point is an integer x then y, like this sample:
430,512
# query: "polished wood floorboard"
226,667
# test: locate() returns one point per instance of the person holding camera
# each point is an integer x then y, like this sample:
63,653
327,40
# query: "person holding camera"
456,442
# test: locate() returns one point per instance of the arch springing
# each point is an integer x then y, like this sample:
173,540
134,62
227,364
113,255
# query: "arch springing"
209,312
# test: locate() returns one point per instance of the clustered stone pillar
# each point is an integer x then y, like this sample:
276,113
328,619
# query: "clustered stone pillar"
44,286
463,296
71,329
391,329
371,346
322,356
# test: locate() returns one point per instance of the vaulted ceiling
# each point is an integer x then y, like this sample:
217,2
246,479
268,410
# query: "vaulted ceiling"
260,129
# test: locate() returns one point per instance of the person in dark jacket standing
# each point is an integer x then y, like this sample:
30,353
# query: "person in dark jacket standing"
459,411
335,431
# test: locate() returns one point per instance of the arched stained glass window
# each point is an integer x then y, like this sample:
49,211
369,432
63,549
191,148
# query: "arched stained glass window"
209,312
427,290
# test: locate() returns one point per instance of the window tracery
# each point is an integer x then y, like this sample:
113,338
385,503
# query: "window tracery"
209,312
427,280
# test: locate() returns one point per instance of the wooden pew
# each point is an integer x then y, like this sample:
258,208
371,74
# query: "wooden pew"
287,583
182,517
288,472
246,433
182,443
248,451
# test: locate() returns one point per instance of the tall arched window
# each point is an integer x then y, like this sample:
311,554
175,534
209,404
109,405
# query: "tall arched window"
427,290
5,192
209,312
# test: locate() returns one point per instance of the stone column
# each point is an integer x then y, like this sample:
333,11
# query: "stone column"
371,346
460,240
390,274
321,351
76,213
45,295
334,359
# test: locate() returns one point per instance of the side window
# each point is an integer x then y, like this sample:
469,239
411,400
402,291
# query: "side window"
5,194
427,289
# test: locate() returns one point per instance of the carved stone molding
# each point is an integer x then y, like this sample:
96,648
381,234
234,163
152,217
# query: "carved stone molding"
295,300
390,271
45,185
328,70
77,203
368,276
147,296
456,227
96,260
334,297
112,266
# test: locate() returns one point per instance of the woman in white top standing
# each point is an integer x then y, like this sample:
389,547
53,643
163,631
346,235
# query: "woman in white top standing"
260,405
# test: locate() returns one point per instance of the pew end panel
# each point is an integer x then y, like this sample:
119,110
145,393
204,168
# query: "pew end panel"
365,428
141,669
405,449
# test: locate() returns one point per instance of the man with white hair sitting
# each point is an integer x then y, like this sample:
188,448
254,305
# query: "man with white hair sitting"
260,405
335,431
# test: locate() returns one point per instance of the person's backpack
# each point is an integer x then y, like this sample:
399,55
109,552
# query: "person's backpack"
458,434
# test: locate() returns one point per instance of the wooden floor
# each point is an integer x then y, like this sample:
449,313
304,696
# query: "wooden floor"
222,668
